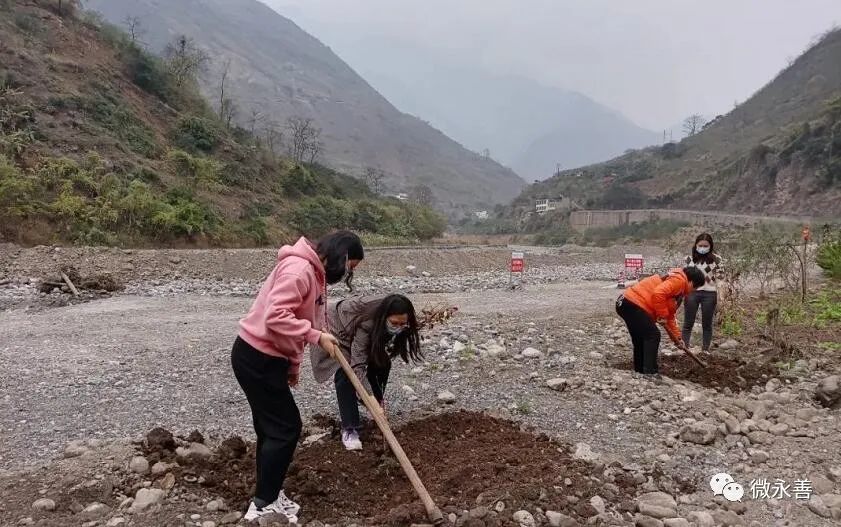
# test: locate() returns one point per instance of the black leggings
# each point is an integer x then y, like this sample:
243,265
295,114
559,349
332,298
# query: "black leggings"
707,300
645,335
277,422
346,394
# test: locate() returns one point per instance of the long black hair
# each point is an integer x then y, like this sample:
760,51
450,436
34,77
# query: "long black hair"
705,258
695,275
335,250
406,345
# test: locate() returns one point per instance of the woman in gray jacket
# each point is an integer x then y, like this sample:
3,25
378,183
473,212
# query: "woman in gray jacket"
371,332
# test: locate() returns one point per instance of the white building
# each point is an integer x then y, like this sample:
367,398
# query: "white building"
544,205
481,214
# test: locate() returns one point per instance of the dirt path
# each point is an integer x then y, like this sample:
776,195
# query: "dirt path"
119,366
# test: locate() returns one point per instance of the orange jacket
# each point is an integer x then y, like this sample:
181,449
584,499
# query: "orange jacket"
658,296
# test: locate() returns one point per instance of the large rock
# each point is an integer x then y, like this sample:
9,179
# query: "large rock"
729,344
558,384
676,522
139,464
146,499
44,504
828,392
657,505
699,433
727,519
524,519
531,353
447,397
818,507
647,521
597,502
584,452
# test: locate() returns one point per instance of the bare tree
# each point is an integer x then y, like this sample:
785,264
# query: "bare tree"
185,60
227,107
693,124
315,151
422,195
305,138
273,136
374,179
134,28
254,119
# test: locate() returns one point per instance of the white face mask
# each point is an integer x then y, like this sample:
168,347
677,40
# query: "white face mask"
702,250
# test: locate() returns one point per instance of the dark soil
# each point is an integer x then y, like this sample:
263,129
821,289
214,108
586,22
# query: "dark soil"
721,372
465,460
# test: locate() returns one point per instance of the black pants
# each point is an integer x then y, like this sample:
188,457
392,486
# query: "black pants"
277,422
346,394
645,335
707,301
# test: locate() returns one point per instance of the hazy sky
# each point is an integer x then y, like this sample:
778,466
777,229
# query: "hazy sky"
654,60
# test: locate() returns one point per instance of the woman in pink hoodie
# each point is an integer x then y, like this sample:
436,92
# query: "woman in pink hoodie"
288,314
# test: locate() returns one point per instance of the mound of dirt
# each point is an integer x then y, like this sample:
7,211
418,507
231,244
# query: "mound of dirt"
466,460
721,372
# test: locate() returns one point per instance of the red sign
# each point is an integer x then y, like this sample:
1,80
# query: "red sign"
518,262
634,261
807,234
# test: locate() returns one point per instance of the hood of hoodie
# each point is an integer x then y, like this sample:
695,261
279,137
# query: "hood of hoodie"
688,288
303,249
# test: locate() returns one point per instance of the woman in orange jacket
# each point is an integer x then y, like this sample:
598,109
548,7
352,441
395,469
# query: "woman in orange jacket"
656,299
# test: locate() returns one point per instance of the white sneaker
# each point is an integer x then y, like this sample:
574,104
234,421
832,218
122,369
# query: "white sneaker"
350,438
283,506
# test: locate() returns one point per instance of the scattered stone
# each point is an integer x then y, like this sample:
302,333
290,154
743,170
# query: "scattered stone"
96,510
26,521
215,506
727,519
558,384
447,397
524,519
821,485
818,507
676,522
584,452
411,270
729,344
598,503
758,456
702,519
168,482
194,451
115,522
556,519
160,468
779,429
647,521
531,353
458,347
44,504
699,433
828,392
146,498
208,523
314,438
230,518
139,465
75,449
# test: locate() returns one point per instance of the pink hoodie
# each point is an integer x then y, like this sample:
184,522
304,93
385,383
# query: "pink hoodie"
290,307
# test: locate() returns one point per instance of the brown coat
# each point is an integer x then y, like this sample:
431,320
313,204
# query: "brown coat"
350,320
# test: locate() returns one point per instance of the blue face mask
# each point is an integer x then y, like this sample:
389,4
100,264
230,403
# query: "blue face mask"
702,250
392,329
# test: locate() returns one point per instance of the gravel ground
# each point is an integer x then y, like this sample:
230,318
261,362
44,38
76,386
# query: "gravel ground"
116,368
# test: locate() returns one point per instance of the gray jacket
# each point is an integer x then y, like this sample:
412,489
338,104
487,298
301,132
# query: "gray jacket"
350,320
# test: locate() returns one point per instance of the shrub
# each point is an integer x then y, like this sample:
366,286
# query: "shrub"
319,215
195,134
829,257
197,171
299,181
29,24
111,112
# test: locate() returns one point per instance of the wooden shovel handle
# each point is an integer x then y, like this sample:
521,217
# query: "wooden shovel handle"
693,357
432,510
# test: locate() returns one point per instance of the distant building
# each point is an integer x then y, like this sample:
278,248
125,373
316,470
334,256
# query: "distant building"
402,196
481,214
544,205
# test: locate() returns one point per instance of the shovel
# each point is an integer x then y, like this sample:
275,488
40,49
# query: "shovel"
693,357
432,510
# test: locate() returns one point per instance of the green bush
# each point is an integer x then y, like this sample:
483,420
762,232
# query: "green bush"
320,215
112,113
829,258
197,171
195,134
300,181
